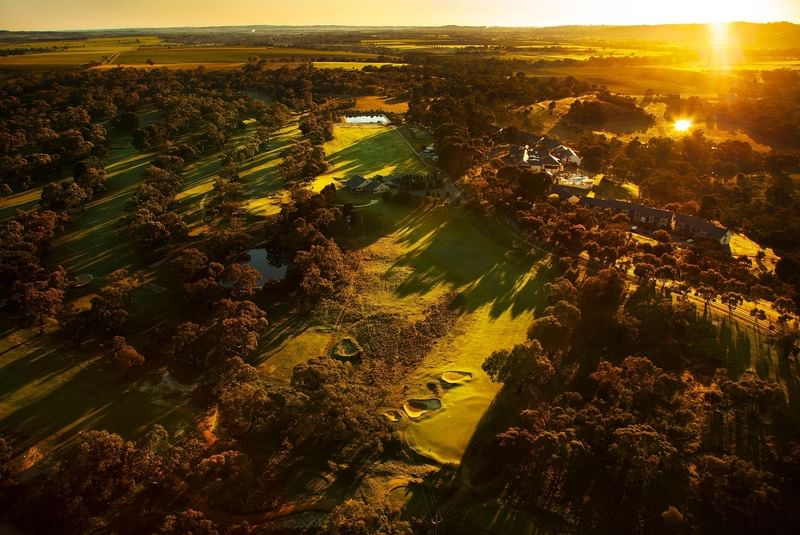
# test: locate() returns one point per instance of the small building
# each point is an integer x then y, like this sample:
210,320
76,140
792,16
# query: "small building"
547,163
375,187
697,227
566,154
355,183
567,193
248,122
639,214
546,144
517,155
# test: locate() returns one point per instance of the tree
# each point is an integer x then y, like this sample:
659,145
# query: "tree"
731,300
42,300
554,337
239,327
5,461
523,366
241,278
104,468
124,354
321,269
534,185
183,342
188,521
190,263
355,517
707,294
244,406
732,494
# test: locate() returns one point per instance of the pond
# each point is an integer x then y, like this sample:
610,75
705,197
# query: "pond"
258,260
367,119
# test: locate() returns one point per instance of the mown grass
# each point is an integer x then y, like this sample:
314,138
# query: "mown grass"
264,189
49,394
368,150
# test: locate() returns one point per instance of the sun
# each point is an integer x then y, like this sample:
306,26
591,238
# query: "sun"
683,125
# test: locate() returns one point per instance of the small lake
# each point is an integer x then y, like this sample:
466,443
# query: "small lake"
367,119
258,260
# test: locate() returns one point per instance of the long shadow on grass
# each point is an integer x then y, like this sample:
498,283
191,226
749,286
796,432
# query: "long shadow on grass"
456,252
87,393
94,241
385,151
478,509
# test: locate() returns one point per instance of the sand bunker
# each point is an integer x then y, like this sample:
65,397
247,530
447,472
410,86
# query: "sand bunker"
347,349
393,415
415,408
451,378
82,280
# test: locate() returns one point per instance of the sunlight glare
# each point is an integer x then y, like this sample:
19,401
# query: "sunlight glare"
683,125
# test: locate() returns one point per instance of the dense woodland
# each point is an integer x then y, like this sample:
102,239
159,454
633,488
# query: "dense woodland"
623,420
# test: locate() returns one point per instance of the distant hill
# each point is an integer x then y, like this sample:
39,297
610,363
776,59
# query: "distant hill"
745,34
776,35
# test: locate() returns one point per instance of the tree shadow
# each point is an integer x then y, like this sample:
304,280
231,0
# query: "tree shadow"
385,152
50,395
456,253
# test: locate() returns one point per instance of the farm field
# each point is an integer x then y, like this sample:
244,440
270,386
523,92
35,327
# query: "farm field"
72,53
385,104
637,80
222,54
353,65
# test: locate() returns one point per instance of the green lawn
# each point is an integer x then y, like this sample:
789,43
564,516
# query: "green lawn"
48,395
264,189
411,257
368,150
94,241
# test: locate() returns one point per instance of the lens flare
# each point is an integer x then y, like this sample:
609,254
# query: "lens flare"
683,125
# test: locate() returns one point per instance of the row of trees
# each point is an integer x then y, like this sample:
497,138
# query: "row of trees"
152,218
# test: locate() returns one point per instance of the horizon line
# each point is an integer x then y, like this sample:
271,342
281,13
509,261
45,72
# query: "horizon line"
367,26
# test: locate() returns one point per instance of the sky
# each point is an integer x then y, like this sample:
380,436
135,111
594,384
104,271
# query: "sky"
96,14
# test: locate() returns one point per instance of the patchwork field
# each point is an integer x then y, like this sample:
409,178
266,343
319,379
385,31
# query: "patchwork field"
72,53
221,54
353,65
